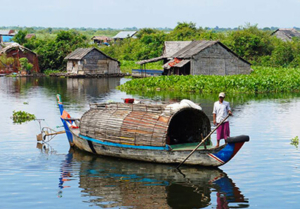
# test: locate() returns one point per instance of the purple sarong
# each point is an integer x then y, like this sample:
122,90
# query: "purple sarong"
223,131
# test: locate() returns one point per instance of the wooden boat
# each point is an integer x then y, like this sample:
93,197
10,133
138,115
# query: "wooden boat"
148,132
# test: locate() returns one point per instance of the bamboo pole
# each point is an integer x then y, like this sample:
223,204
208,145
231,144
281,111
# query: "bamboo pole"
202,141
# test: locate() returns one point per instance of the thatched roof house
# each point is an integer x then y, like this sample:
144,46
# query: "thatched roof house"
91,61
201,57
286,34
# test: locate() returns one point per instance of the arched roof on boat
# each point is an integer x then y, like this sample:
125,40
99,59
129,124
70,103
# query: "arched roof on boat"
144,124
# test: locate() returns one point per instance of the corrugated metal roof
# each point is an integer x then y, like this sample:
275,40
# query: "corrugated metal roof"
150,60
186,50
180,64
4,32
193,48
171,47
8,32
197,46
125,34
289,32
80,53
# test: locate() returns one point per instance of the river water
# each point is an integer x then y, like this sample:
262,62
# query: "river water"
264,174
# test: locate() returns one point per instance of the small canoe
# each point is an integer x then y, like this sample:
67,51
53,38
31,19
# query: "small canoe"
148,132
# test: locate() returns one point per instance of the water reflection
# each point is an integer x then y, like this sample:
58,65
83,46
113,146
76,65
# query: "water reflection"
110,182
75,90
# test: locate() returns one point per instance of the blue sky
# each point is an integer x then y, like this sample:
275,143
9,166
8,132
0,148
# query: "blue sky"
153,13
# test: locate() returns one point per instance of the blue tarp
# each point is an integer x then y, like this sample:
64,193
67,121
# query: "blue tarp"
147,71
7,38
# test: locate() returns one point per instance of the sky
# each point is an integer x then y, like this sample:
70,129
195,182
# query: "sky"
120,14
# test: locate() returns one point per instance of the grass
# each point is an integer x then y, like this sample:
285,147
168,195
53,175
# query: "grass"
49,72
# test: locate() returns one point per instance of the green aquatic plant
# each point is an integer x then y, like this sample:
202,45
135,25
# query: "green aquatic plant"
22,116
295,141
261,80
49,72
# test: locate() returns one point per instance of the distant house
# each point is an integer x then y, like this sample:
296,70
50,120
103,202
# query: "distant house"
200,58
30,35
286,34
91,61
18,51
124,34
7,35
101,39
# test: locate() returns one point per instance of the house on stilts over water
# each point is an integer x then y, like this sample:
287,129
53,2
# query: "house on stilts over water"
91,62
199,58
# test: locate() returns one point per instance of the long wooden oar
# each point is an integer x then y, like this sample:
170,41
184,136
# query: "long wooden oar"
202,141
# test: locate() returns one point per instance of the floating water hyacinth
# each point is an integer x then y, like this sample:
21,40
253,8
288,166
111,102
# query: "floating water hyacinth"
261,80
295,141
22,116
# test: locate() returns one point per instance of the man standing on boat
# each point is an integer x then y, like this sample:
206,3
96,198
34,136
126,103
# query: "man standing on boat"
220,111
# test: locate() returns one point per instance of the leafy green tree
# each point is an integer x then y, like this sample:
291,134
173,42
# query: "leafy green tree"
183,31
249,42
20,37
52,51
146,31
25,65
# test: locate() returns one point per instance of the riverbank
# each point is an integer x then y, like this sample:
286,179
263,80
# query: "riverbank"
261,80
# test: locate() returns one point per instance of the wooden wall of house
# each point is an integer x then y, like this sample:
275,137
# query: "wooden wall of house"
70,66
216,60
97,63
75,66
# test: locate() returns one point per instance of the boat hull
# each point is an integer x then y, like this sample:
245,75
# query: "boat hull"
210,157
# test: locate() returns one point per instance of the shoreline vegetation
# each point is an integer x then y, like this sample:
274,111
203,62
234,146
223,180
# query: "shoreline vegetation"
251,43
261,80
279,60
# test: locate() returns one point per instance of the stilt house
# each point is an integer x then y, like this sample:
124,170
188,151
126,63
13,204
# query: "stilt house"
91,61
200,58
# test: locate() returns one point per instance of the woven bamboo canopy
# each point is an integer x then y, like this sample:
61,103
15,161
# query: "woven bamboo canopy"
144,124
